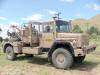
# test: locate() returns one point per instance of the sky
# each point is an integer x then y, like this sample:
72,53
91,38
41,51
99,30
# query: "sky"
21,11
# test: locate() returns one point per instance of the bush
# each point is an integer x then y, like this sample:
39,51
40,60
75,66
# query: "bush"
94,36
77,29
6,39
93,30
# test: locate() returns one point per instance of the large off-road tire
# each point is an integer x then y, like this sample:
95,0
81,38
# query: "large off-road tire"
79,59
62,58
10,55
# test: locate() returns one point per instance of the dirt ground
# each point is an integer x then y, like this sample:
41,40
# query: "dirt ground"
39,65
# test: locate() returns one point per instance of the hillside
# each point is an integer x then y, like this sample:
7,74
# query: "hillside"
93,21
79,21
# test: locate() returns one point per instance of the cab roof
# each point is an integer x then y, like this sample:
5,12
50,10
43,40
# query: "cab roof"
58,22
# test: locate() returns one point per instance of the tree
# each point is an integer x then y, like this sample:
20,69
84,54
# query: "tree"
93,30
1,39
0,29
77,29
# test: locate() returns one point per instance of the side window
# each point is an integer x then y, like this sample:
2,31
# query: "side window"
48,29
35,28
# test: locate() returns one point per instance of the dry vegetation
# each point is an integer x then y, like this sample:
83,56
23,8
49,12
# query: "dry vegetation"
39,65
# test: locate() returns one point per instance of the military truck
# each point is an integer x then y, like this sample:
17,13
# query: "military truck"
54,38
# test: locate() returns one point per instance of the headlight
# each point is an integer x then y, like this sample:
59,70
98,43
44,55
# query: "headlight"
74,43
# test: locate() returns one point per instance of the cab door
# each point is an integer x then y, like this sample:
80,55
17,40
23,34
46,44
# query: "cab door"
47,38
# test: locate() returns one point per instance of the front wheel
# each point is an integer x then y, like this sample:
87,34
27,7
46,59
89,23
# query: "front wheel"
10,53
62,58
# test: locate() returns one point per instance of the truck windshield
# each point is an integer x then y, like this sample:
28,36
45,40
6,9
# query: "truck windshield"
63,28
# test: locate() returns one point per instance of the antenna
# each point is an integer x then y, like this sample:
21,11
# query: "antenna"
57,16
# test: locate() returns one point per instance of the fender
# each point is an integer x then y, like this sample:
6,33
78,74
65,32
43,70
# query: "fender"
60,44
5,45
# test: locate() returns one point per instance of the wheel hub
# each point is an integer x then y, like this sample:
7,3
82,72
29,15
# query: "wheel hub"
60,58
9,53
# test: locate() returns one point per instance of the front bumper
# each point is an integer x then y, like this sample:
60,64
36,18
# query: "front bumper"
85,50
89,49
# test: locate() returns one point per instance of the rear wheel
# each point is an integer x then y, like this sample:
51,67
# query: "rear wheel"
10,53
79,59
62,58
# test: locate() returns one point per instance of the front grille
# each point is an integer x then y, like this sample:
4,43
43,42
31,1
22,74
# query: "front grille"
83,40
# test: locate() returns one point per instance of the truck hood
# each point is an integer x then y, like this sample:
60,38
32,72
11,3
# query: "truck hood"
69,35
80,38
